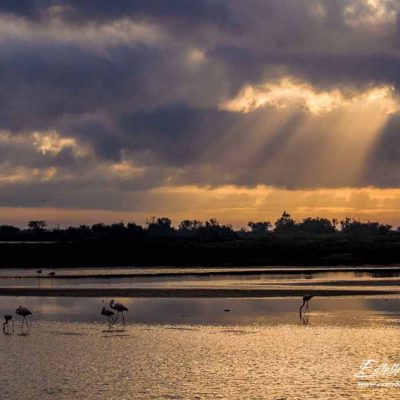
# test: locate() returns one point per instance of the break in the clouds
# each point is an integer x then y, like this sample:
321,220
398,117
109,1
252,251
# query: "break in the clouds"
104,104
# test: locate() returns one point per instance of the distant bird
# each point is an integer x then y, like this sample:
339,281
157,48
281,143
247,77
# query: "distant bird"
227,310
306,299
39,271
8,318
109,314
52,273
24,312
120,308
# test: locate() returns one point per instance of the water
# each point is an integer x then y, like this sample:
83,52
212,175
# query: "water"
259,278
193,349
199,348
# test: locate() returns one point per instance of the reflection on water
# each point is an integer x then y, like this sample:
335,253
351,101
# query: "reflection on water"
192,349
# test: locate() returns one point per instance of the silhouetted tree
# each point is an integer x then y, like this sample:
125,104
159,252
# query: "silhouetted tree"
212,230
8,232
160,226
260,228
189,228
353,226
37,225
316,225
135,231
285,224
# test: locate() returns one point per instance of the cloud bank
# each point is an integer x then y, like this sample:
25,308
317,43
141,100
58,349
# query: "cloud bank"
103,104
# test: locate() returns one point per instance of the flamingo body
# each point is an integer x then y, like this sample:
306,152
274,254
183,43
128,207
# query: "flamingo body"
7,318
117,306
120,308
24,312
107,313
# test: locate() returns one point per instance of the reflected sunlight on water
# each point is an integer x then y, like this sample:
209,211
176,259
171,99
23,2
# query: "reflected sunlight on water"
85,361
193,349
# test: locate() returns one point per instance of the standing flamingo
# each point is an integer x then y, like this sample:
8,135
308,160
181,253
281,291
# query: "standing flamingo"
24,312
120,308
306,299
109,314
8,318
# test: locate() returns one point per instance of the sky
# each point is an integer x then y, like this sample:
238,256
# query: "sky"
118,110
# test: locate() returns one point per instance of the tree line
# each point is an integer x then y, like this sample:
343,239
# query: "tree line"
212,230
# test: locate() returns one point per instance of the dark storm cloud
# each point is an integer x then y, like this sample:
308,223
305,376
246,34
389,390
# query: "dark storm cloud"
143,80
178,135
214,10
323,70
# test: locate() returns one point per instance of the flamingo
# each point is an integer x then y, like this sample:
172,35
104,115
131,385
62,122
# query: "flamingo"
306,299
24,312
109,314
52,273
8,318
120,308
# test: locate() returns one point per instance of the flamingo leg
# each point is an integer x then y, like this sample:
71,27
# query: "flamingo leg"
123,319
301,308
26,321
116,318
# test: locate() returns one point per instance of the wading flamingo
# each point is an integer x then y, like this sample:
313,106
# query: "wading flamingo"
306,299
120,308
24,312
8,318
109,314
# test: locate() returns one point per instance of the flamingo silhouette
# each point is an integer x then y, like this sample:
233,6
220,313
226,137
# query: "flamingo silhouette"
109,314
8,318
24,312
306,299
120,308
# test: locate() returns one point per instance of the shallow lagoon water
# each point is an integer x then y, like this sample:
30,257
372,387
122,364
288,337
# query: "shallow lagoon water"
193,349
